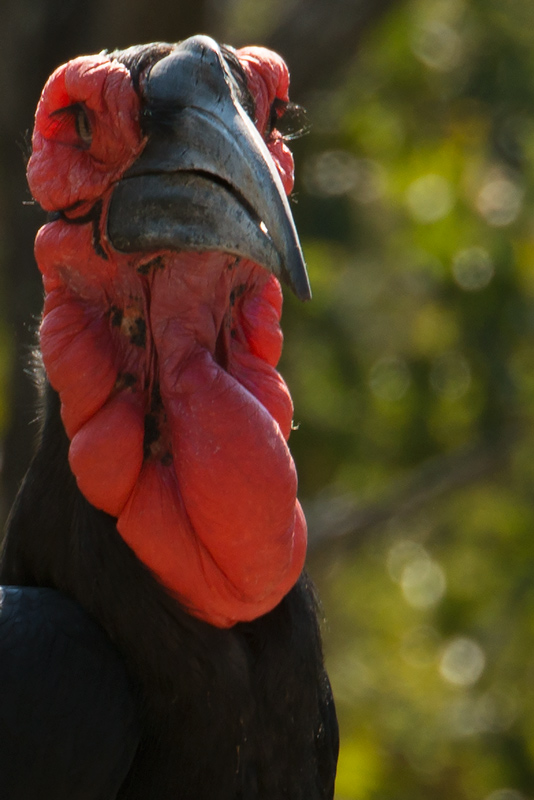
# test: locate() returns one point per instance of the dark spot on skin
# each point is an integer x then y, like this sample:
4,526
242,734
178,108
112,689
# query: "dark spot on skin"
156,401
125,380
138,332
156,444
132,323
116,316
166,460
151,434
233,333
237,292
128,379
153,264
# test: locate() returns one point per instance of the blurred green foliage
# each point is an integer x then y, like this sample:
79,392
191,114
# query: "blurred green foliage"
415,204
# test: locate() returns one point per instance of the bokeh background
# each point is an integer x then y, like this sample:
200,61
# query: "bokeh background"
412,370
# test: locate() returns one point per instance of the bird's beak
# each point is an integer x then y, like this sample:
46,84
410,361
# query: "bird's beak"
205,180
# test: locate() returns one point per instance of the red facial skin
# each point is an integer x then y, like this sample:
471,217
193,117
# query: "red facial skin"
165,363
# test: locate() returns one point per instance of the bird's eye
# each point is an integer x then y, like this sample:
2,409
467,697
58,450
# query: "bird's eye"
83,125
70,125
287,118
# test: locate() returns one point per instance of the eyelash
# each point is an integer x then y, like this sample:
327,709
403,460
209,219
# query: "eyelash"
278,108
287,118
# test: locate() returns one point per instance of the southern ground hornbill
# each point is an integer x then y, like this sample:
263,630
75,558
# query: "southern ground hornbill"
158,637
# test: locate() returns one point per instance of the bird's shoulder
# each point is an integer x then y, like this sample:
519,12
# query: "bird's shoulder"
68,713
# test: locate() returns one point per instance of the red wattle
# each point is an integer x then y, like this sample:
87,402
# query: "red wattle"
260,321
106,455
79,359
155,525
234,471
265,383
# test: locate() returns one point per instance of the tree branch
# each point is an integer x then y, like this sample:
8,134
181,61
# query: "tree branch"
338,524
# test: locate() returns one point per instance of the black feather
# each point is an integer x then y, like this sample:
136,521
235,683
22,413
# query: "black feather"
69,724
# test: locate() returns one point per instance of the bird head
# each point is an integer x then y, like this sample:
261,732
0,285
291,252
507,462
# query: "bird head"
165,178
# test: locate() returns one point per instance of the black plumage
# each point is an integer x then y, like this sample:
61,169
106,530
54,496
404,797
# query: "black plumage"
69,724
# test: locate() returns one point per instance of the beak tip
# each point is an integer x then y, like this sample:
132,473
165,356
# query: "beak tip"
304,293
295,275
